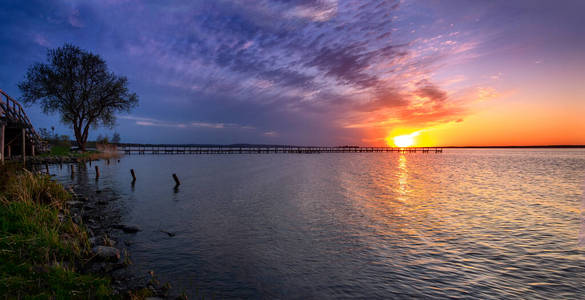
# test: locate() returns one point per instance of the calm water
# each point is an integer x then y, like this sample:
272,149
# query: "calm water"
465,223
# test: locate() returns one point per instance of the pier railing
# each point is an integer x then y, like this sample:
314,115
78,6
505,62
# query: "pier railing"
158,149
12,114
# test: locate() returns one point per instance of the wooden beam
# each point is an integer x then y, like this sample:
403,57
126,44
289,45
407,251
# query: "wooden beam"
23,145
2,130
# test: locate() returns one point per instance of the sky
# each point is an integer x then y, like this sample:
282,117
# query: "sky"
321,72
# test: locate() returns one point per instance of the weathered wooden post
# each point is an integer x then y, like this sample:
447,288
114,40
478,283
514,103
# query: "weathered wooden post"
32,150
9,151
133,175
2,129
97,172
90,162
23,145
177,182
47,168
72,170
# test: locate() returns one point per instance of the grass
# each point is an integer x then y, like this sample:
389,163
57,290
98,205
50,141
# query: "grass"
60,150
103,152
40,246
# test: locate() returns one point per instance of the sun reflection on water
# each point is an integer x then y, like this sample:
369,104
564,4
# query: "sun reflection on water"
402,177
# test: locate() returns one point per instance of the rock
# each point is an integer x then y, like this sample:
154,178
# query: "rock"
113,267
94,240
97,267
107,253
171,234
77,219
127,228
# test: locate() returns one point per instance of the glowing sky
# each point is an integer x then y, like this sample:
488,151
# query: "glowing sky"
323,72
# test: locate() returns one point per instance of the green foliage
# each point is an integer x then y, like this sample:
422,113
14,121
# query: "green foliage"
60,151
39,243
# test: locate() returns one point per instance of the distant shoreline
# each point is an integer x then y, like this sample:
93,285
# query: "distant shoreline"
511,147
349,146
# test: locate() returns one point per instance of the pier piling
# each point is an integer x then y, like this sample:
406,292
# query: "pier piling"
177,182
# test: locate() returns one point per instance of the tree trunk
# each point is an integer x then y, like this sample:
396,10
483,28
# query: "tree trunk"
79,138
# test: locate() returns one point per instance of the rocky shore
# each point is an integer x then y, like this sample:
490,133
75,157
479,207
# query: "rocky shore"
109,238
54,159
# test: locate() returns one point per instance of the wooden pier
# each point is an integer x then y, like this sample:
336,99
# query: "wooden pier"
160,149
17,135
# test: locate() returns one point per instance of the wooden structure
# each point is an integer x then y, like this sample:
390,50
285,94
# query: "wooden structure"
17,135
199,149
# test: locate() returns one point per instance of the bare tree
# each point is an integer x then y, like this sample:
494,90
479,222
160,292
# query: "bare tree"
78,85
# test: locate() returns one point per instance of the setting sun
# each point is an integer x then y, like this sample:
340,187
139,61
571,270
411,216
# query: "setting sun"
405,140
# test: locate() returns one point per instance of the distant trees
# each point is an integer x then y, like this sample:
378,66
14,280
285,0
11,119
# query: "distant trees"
102,139
78,85
55,139
116,138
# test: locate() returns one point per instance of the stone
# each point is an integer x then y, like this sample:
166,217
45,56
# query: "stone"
94,240
107,253
171,234
127,228
77,219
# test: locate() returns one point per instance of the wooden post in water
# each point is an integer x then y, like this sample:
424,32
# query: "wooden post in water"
97,172
72,170
47,168
177,182
133,175
90,162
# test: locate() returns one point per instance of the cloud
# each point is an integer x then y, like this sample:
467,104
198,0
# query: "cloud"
141,121
291,69
41,40
271,133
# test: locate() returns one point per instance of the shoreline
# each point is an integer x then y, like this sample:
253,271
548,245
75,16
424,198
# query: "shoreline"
108,236
104,251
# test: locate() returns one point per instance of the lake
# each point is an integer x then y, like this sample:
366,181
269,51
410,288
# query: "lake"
479,223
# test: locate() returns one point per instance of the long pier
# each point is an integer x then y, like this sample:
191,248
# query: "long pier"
160,149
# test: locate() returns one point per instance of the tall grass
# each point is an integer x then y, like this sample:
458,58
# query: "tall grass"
36,188
40,246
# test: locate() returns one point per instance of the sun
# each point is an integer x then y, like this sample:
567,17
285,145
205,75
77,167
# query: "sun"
405,140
